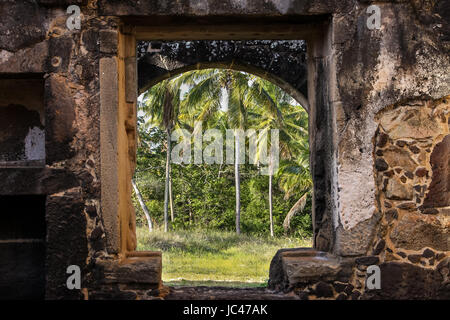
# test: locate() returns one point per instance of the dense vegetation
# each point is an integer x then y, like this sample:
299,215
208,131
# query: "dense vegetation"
222,196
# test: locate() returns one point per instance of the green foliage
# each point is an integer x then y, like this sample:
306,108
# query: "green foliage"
204,195
204,198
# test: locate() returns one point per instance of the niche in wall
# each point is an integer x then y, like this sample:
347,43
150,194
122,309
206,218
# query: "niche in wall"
22,121
22,247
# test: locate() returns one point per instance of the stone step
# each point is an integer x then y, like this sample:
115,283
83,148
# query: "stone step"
224,293
299,267
139,268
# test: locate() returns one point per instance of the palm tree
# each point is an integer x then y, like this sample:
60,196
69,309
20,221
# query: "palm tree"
209,88
143,205
274,110
251,102
295,178
161,107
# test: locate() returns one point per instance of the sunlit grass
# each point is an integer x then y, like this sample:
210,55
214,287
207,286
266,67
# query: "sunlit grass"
220,258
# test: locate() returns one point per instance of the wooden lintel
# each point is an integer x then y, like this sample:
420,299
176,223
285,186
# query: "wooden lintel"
227,32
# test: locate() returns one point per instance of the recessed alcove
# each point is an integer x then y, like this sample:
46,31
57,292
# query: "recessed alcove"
22,247
22,121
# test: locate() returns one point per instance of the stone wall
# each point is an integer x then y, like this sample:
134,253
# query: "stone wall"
414,232
36,44
379,117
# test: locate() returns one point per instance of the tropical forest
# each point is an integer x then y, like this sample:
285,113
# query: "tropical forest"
220,222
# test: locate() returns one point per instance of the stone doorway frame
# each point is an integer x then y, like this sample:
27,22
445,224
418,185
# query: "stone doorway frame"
119,91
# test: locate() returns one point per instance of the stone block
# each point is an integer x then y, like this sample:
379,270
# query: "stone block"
22,25
292,268
399,158
439,190
108,150
108,41
355,241
409,122
415,232
142,268
59,54
323,289
60,126
66,242
367,261
28,60
396,190
36,181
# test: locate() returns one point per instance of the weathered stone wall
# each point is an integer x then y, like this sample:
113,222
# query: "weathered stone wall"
379,120
398,64
405,90
36,44
413,237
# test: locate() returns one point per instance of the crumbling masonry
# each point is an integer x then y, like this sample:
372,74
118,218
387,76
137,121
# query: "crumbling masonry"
379,109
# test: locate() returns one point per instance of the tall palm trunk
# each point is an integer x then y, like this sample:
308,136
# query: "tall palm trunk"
238,187
170,194
270,204
296,208
143,206
166,189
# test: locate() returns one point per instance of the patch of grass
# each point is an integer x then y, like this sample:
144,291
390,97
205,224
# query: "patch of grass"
215,258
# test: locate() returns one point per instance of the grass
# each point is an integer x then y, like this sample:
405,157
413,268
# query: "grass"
215,258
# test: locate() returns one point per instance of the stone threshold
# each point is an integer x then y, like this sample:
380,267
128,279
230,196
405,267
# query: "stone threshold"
139,274
300,267
226,293
133,268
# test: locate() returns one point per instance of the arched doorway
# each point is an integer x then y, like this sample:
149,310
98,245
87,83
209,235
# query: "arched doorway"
156,98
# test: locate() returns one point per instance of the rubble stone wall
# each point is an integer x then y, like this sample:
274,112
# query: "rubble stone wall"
379,124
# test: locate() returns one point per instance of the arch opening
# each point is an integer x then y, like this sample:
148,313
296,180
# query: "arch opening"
282,62
197,201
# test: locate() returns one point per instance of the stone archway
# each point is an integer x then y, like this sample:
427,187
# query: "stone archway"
282,62
279,61
286,63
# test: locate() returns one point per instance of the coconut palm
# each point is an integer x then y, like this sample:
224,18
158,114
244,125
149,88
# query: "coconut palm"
143,205
251,102
203,102
161,107
274,110
295,178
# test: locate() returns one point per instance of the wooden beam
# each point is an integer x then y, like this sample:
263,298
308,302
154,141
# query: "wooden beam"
227,32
